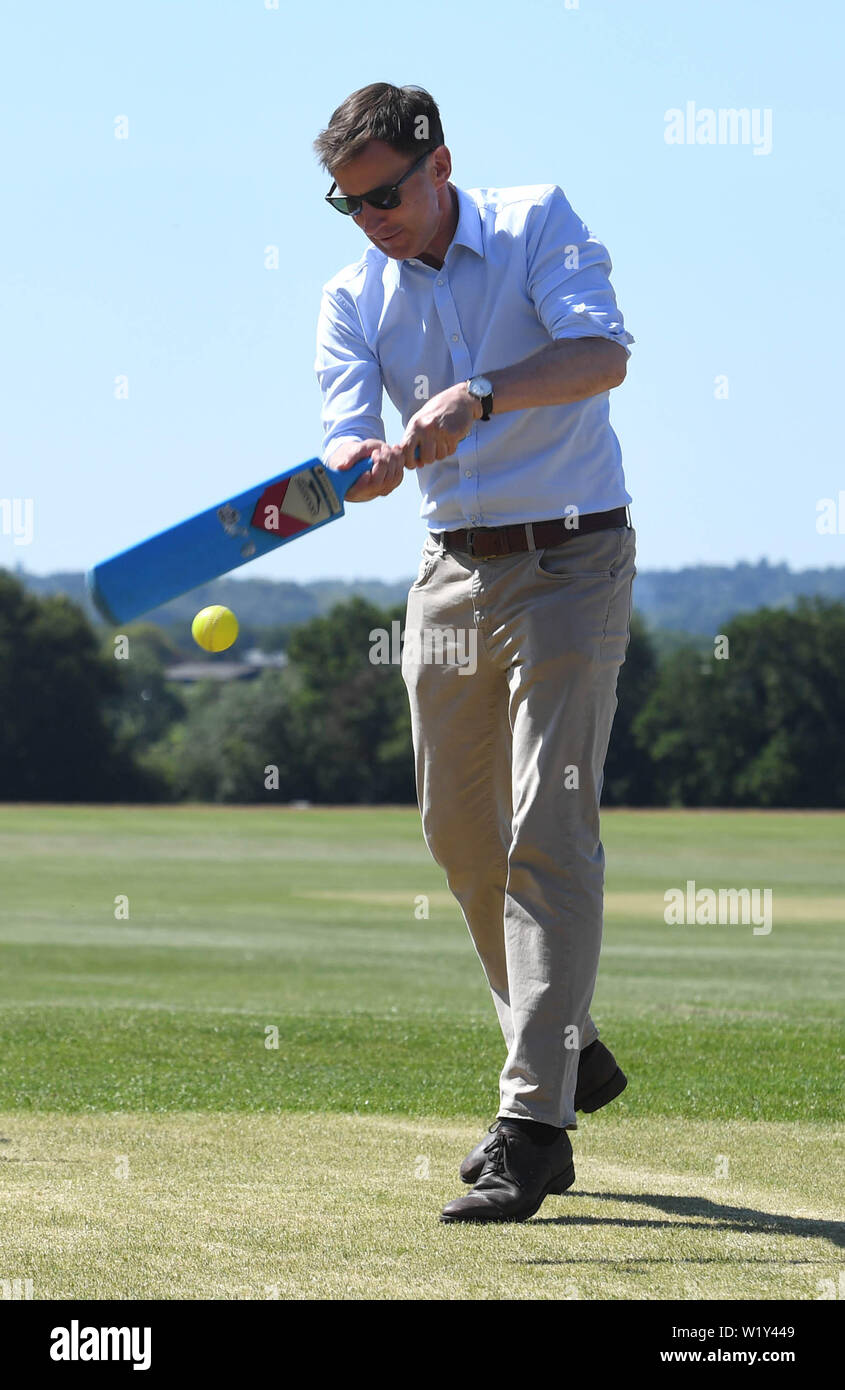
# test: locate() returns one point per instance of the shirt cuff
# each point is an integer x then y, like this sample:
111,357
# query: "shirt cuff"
591,328
329,449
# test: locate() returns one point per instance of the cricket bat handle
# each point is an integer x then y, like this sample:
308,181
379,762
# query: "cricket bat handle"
357,470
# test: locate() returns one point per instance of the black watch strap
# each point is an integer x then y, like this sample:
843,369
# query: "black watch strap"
486,401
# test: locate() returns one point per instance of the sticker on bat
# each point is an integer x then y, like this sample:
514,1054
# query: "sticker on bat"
296,503
229,516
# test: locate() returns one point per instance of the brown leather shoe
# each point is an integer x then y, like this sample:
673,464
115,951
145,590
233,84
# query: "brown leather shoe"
518,1174
600,1080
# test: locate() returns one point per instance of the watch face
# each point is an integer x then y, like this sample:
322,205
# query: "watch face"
480,386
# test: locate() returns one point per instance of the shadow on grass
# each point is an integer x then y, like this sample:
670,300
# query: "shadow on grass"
717,1216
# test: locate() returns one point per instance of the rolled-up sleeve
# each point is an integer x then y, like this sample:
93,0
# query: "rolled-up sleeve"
568,275
348,373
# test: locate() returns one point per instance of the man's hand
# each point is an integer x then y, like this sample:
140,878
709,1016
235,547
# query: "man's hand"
440,425
386,473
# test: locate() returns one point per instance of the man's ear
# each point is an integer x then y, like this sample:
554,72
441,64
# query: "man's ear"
442,163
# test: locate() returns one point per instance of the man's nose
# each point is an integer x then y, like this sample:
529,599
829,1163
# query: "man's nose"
370,220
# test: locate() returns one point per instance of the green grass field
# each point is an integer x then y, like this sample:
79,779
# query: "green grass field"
153,1146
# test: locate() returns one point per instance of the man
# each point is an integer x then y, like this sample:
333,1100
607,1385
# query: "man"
489,318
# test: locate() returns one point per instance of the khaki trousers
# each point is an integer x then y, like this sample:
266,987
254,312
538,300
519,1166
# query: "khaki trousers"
511,667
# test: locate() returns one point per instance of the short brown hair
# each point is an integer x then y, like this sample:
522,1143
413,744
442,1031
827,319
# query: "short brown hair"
380,112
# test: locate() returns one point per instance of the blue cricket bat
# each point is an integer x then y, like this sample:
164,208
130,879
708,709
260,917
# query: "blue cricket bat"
220,539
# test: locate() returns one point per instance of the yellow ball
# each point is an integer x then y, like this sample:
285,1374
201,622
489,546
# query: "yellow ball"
215,628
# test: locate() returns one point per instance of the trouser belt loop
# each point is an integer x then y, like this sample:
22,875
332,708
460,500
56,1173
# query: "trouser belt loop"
529,532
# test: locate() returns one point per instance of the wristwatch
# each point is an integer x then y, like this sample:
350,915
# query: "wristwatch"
482,389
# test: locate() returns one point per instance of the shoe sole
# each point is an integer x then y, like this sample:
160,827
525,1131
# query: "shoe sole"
558,1184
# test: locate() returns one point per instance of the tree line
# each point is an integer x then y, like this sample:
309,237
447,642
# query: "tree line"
696,599
758,719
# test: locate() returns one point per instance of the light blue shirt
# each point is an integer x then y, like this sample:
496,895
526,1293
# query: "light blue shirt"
522,269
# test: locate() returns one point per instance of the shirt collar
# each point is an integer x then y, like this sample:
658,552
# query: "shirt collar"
467,232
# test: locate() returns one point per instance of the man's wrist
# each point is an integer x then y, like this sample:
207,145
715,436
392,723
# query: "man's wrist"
478,408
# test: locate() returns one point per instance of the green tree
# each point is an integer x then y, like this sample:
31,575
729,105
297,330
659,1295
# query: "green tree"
764,727
628,769
334,724
56,743
353,712
231,735
146,704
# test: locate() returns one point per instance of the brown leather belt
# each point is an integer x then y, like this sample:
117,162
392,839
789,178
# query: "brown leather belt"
484,542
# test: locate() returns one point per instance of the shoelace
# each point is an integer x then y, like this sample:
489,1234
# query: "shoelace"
496,1150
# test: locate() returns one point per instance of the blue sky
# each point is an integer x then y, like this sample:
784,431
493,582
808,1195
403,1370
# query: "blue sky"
144,257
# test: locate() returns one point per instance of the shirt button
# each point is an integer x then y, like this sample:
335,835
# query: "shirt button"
440,282
468,474
455,338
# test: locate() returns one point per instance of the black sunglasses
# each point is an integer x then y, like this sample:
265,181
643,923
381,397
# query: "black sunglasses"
385,197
